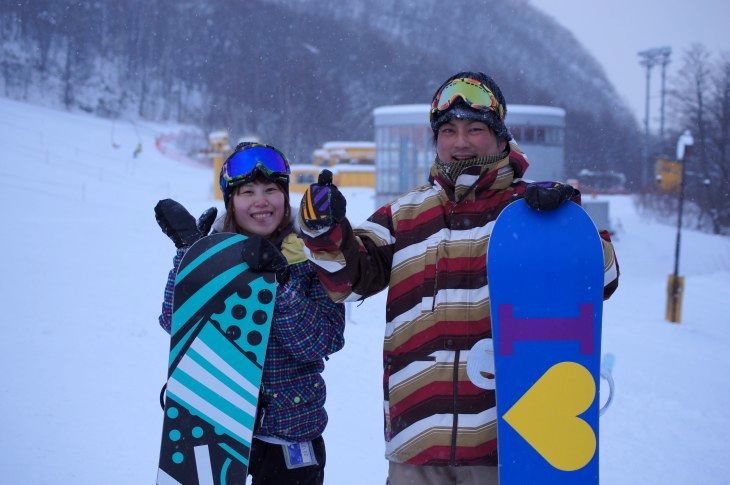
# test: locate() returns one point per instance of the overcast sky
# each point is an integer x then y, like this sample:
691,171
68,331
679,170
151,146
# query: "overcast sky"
614,31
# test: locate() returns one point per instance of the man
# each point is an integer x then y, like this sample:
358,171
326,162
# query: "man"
429,248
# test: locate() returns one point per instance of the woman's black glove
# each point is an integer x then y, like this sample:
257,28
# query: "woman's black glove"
547,196
261,255
323,204
179,225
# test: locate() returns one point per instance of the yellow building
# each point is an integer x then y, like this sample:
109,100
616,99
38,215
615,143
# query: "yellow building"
350,152
345,152
352,164
220,148
302,176
354,176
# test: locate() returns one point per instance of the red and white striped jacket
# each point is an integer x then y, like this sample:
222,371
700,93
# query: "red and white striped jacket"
429,249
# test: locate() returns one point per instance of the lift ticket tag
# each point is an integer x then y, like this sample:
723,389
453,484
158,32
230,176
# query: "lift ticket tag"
298,455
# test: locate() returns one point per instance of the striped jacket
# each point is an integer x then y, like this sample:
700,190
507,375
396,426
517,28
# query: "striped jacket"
307,327
429,249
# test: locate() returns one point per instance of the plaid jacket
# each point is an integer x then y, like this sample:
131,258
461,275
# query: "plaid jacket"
307,326
428,248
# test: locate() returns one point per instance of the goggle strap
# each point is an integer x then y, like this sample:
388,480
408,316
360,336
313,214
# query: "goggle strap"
259,169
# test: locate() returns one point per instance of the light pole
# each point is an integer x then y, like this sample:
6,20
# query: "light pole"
649,59
675,284
665,53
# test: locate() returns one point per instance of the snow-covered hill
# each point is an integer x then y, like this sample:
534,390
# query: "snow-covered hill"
83,359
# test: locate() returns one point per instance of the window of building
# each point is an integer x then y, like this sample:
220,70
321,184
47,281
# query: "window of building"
305,178
528,134
540,135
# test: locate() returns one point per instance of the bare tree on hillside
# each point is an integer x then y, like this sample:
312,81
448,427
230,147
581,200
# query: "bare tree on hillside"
701,103
720,141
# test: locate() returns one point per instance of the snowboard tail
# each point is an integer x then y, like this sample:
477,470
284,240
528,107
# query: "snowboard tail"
221,320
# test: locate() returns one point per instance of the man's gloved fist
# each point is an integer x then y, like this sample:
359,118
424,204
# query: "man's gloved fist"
261,255
179,225
323,204
546,196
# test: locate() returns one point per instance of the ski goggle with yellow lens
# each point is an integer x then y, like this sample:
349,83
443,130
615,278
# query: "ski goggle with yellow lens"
475,94
251,159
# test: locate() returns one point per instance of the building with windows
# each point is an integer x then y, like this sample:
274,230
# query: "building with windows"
540,133
404,147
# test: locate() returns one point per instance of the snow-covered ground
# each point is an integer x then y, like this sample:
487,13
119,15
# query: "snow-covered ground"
83,358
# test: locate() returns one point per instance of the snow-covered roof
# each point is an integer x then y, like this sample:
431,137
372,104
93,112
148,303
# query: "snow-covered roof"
333,145
345,167
417,109
304,167
249,138
218,135
533,109
404,114
418,113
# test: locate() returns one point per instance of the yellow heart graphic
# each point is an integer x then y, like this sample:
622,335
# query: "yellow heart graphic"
546,416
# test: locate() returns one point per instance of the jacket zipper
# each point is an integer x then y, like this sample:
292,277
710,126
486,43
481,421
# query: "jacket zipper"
455,378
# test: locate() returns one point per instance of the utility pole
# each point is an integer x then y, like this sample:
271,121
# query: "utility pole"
675,285
649,59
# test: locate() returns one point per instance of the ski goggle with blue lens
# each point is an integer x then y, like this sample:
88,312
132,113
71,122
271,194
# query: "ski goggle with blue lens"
250,160
475,94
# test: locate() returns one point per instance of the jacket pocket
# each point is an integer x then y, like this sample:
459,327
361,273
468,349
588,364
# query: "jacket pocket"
399,385
310,394
430,283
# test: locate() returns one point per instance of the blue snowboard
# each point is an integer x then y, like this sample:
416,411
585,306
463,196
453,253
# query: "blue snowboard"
221,319
545,272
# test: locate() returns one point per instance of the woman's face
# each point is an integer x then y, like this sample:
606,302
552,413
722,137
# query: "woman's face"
258,207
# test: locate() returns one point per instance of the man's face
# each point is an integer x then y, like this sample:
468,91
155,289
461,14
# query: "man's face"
465,139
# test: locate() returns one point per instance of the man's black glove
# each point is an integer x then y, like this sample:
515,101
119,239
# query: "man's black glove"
323,204
179,225
546,196
261,255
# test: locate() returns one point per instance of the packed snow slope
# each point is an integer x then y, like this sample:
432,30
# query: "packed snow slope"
83,358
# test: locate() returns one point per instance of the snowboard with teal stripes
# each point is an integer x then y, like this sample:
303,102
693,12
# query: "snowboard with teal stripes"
222,314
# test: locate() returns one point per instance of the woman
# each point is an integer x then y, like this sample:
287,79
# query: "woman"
306,328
